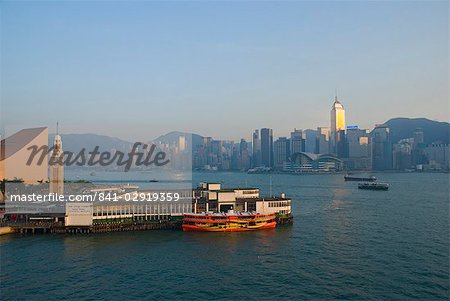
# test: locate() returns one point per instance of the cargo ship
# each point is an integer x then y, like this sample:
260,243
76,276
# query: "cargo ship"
228,222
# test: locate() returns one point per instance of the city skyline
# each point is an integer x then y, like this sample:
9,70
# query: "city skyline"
247,138
199,67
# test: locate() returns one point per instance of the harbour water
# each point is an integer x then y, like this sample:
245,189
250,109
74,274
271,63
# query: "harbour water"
345,244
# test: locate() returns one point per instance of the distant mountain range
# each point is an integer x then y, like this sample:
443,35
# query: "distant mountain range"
434,131
401,128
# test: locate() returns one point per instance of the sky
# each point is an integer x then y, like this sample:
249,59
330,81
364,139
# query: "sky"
136,69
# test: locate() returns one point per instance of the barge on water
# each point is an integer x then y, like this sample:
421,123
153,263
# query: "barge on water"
359,179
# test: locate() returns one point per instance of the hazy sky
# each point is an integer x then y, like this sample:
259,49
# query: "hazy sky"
136,70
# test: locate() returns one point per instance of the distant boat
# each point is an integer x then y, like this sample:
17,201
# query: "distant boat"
153,181
348,177
373,186
261,169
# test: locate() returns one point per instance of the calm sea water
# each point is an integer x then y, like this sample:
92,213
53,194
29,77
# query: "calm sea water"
345,244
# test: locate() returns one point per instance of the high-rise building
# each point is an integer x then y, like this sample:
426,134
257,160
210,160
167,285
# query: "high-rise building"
256,146
181,143
310,140
201,154
418,154
380,140
358,143
438,156
244,155
358,151
281,152
337,125
341,144
235,158
323,140
418,138
217,155
267,147
297,141
401,154
57,167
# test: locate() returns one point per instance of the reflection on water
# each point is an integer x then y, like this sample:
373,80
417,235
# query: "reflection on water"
335,204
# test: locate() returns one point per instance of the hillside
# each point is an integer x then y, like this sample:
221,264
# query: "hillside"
434,131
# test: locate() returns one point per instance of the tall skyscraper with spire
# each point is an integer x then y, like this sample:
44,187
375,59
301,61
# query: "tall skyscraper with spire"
337,125
57,166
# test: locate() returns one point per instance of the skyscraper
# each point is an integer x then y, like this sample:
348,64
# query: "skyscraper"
267,147
256,146
243,146
181,143
337,125
297,143
418,138
380,139
244,155
358,143
401,154
341,144
358,149
281,152
57,166
323,140
418,155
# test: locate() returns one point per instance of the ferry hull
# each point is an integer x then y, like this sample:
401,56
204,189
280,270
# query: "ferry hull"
270,225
